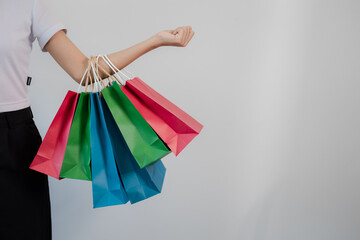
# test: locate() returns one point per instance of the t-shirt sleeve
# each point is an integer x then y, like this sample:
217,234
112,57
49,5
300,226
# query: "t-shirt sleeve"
44,23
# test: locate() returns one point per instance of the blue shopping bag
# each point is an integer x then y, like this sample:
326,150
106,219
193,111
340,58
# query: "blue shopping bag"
139,183
107,187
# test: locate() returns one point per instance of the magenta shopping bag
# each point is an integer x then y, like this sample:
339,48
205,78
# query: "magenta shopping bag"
50,155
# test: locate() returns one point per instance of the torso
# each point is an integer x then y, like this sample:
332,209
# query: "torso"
15,51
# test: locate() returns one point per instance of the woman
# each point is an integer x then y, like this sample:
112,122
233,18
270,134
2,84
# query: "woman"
24,193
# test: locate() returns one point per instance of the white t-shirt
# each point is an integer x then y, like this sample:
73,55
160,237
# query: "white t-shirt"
21,22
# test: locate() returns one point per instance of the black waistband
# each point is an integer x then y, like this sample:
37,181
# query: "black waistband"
13,118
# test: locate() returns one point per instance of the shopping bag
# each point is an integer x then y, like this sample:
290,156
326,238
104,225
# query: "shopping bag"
141,139
107,187
50,154
76,163
139,183
175,127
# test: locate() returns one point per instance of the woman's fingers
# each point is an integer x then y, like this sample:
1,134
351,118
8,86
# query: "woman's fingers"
184,35
190,37
188,32
184,38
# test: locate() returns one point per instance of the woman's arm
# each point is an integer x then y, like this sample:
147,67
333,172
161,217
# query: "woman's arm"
74,62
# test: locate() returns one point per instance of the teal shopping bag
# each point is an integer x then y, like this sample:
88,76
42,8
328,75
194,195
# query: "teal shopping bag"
106,183
139,184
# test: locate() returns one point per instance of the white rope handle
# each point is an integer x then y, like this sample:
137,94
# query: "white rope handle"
98,85
97,68
107,60
111,65
82,79
132,75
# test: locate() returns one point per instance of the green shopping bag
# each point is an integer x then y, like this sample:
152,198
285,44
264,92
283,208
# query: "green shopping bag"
76,163
143,142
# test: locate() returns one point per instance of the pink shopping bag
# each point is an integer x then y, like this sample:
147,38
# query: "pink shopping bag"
175,127
49,157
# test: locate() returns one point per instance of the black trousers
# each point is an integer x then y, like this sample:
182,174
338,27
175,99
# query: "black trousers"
24,193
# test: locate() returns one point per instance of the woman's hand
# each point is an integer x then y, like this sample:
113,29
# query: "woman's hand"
179,37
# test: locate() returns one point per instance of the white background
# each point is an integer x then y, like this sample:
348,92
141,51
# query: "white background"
276,86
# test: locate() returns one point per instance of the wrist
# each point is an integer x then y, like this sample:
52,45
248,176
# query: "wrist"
154,42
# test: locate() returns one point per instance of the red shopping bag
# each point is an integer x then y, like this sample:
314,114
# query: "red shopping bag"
175,127
49,157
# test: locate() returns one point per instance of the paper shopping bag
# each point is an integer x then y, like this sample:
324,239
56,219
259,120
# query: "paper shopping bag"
106,183
76,163
175,127
49,157
141,139
139,183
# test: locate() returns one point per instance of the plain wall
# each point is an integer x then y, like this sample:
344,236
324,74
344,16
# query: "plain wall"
276,86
